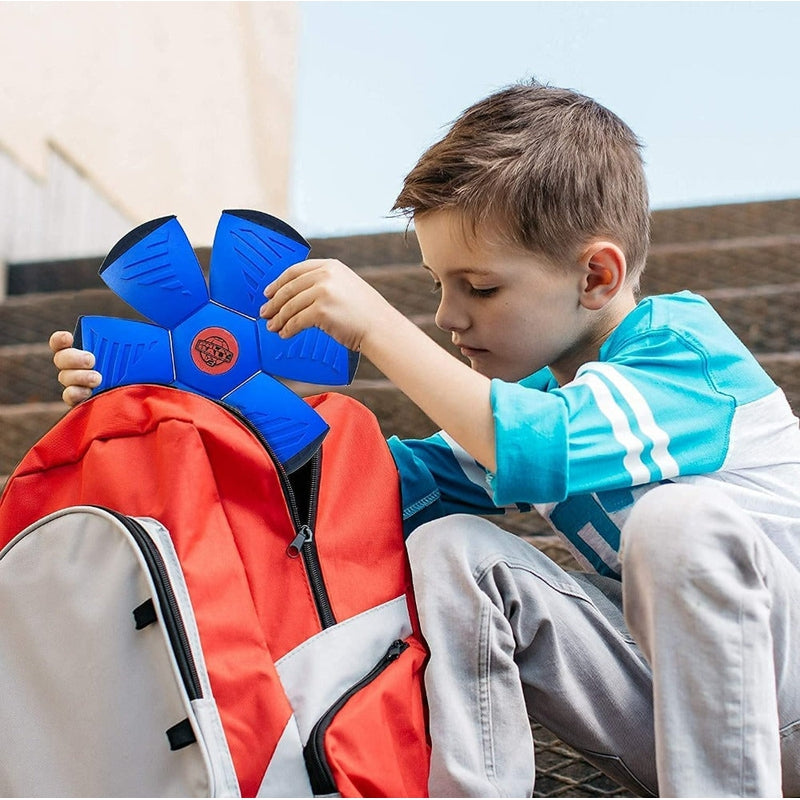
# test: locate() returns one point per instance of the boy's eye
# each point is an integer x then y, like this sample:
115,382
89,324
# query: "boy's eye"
475,292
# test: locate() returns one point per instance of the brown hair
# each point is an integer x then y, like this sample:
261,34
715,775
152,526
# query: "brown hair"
548,168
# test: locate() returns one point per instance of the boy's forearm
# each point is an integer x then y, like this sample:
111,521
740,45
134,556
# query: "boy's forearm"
454,396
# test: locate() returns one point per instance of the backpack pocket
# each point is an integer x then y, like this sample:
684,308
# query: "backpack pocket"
98,639
371,741
357,693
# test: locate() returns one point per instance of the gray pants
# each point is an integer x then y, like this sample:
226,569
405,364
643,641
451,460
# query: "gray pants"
695,692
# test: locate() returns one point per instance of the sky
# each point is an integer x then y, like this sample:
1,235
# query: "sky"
711,88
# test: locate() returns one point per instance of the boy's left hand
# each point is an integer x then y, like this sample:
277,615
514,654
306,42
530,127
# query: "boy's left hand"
326,294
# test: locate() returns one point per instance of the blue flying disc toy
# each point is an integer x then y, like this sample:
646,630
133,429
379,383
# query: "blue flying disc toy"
210,340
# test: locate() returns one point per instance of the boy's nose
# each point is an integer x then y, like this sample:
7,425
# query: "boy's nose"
449,318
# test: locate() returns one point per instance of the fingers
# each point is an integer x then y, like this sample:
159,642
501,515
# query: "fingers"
76,373
60,340
292,293
79,377
78,384
319,293
294,272
73,395
73,359
283,311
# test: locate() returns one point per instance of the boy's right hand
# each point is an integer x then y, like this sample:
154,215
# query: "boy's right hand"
75,369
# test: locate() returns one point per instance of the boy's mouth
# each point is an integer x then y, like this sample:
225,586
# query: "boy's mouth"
470,352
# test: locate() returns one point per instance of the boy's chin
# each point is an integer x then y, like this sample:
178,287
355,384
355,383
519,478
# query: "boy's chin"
507,375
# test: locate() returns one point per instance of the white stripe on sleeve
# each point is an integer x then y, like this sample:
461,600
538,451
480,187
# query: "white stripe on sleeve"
644,416
633,446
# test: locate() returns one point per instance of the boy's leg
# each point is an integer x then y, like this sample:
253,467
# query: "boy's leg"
715,607
508,628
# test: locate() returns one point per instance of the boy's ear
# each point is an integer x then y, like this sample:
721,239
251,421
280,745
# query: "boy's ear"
605,270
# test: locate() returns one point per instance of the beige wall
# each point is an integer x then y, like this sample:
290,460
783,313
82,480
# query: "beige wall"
163,108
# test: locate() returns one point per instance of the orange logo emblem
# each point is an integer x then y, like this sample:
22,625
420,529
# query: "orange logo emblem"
214,350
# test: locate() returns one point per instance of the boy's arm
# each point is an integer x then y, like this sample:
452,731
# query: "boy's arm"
328,295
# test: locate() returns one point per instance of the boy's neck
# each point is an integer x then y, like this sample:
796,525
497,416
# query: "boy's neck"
588,349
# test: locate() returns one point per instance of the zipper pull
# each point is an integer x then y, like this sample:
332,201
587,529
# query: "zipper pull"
305,534
396,649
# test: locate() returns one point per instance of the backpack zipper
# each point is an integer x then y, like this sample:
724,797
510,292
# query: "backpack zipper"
303,543
319,771
170,611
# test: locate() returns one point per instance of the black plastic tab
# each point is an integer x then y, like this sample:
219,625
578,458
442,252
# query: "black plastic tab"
181,735
145,614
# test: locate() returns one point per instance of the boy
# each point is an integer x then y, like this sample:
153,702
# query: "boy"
645,432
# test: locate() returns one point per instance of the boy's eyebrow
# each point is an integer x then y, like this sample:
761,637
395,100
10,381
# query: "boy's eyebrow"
461,270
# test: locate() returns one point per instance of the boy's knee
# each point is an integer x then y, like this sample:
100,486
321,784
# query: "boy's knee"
458,544
432,540
679,526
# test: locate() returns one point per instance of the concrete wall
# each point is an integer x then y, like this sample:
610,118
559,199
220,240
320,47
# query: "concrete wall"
138,110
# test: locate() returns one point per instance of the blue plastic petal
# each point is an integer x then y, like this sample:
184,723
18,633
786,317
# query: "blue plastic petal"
155,270
292,428
126,351
311,356
250,250
216,347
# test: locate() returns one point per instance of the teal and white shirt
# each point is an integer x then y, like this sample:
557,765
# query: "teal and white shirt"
673,396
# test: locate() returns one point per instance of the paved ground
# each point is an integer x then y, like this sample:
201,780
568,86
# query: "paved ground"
561,772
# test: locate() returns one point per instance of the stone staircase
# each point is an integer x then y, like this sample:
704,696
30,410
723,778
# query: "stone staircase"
742,257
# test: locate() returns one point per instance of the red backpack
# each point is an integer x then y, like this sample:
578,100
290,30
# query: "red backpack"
179,616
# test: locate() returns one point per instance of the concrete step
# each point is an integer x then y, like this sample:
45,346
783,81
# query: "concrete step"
732,263
21,426
764,318
784,369
726,221
32,318
29,374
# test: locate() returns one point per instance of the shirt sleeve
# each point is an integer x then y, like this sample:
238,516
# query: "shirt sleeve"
438,478
651,413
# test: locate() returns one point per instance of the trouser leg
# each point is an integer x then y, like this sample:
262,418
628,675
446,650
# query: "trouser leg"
715,606
511,634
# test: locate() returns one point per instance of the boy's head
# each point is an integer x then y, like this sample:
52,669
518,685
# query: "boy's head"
544,169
